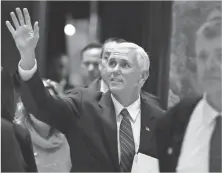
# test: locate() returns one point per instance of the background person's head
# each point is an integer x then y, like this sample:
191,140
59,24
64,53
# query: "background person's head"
208,54
62,67
127,69
90,60
107,48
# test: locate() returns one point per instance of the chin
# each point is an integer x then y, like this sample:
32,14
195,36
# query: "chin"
116,89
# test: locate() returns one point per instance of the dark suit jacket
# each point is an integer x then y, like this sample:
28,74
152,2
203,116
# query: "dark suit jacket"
171,129
88,120
11,155
21,137
95,86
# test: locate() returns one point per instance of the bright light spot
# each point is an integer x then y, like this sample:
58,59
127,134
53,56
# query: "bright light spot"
69,29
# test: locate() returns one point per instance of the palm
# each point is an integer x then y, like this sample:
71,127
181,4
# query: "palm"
25,38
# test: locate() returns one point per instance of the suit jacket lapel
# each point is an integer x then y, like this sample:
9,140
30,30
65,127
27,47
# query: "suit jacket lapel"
95,85
147,135
110,128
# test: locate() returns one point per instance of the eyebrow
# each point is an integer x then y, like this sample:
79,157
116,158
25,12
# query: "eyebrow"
120,53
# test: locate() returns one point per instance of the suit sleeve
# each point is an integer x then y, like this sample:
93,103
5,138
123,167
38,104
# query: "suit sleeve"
55,111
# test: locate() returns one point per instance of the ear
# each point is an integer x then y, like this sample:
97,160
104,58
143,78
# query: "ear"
144,75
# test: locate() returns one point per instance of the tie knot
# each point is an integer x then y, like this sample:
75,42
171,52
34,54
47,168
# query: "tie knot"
125,112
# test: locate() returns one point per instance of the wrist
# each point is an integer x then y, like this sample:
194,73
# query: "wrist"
27,60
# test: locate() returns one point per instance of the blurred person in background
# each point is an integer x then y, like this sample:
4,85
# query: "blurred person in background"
60,72
100,83
51,149
90,61
189,135
16,145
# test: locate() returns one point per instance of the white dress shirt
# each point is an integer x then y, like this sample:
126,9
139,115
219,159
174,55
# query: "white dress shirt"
25,75
194,156
103,87
134,110
135,119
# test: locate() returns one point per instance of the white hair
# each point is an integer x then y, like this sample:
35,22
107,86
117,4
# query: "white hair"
142,57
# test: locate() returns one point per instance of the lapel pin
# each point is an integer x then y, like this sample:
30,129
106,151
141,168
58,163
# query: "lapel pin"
147,128
170,150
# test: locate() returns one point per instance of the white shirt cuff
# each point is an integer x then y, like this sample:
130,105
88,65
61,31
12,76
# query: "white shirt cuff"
25,75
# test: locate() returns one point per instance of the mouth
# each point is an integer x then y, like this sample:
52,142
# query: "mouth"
116,80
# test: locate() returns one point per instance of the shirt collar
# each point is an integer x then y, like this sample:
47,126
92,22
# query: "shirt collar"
133,109
209,113
103,87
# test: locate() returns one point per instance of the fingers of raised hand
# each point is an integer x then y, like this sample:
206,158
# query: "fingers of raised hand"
27,17
14,19
20,20
10,28
36,30
20,16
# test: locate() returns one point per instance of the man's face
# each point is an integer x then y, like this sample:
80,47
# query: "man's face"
209,64
90,63
108,47
123,72
62,67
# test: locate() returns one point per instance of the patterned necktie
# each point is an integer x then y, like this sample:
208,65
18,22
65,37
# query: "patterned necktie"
215,147
127,146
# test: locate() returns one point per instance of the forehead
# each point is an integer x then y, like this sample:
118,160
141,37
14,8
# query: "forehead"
92,54
123,53
110,45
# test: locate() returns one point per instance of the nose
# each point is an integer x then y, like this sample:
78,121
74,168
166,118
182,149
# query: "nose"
116,69
90,67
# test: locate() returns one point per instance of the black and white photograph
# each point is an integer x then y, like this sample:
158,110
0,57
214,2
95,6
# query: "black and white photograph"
111,86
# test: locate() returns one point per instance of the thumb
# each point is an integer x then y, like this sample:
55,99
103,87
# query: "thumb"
36,29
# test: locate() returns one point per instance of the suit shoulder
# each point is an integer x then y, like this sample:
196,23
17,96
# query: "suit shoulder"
151,99
158,112
173,114
86,94
89,95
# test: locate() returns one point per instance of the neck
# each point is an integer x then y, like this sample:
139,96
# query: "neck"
126,99
214,99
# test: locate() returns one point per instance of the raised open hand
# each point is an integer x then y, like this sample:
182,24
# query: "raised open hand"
25,37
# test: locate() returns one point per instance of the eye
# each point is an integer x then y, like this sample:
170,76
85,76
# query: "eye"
112,63
125,65
96,64
86,64
106,57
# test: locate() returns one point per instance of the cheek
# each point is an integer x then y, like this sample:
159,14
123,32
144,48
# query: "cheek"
131,77
108,71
